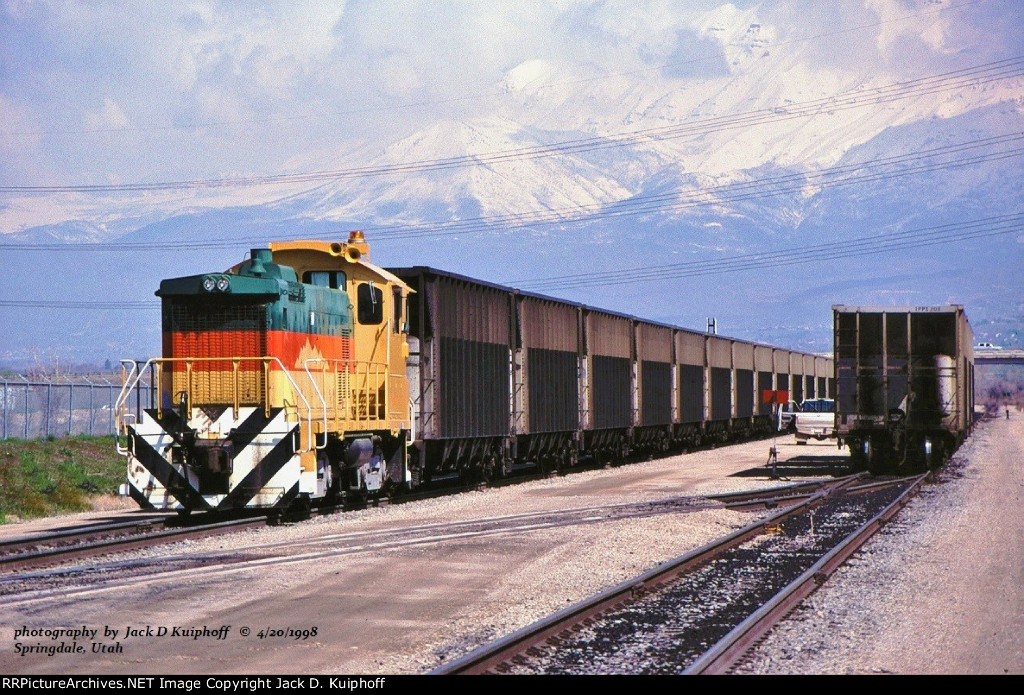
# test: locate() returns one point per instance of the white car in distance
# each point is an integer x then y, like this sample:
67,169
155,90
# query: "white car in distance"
816,418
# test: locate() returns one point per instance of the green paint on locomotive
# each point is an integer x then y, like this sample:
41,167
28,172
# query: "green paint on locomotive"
292,306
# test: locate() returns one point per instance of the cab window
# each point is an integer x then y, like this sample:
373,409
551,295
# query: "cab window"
371,304
396,297
335,279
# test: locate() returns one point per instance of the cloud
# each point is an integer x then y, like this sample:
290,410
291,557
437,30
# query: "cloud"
200,89
108,117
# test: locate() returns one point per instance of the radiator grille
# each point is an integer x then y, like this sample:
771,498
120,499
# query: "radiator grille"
201,331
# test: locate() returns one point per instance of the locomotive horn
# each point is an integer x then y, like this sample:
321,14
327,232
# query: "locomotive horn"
350,252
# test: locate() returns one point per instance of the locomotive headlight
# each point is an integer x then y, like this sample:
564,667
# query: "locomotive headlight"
223,284
209,284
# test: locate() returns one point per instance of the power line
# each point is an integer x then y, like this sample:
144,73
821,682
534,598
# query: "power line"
914,238
948,233
944,82
676,201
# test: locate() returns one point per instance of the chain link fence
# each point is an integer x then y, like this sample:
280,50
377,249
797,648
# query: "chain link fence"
34,408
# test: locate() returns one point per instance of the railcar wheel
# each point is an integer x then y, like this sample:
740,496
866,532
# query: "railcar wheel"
491,469
562,460
877,456
571,457
858,461
870,456
934,453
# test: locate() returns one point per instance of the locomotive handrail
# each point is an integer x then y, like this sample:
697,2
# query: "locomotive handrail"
346,410
131,383
128,376
323,401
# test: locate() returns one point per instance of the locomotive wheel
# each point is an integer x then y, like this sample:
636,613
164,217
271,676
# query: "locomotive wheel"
301,507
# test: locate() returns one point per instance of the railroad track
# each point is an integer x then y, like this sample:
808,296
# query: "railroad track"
56,570
103,539
61,546
700,612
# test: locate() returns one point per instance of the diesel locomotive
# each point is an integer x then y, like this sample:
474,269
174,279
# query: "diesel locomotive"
306,373
282,381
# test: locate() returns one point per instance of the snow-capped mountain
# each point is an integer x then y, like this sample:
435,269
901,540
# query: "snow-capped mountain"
632,172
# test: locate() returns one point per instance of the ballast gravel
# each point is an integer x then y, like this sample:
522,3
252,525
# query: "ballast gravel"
939,591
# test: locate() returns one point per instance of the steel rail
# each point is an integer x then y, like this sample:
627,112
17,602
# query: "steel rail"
727,651
548,630
795,489
78,534
42,558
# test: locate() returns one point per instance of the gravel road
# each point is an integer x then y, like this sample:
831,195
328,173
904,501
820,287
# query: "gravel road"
939,591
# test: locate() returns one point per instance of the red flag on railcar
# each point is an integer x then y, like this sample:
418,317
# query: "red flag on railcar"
780,397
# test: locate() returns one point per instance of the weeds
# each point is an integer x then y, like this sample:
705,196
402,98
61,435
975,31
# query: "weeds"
55,476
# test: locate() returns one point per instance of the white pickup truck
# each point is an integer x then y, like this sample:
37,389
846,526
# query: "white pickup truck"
816,418
786,414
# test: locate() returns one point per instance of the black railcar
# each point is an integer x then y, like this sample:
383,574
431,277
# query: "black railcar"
502,380
904,383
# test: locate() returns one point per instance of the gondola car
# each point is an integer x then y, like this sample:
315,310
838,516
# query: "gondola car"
503,380
904,384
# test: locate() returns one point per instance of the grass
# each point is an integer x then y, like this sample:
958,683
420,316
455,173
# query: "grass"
45,477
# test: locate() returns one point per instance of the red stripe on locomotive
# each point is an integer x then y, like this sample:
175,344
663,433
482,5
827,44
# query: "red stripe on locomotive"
292,348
